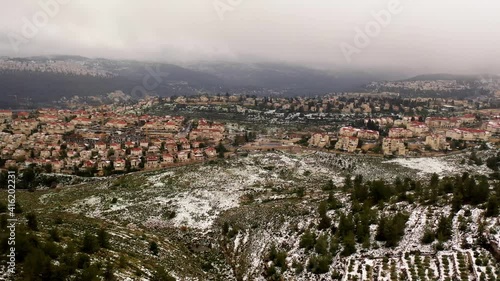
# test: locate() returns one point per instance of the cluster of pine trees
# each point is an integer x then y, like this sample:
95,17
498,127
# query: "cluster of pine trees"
47,253
351,228
458,190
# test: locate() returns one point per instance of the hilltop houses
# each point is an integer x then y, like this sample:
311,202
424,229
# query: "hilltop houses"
393,146
319,140
437,142
468,134
400,133
418,129
368,135
348,132
348,144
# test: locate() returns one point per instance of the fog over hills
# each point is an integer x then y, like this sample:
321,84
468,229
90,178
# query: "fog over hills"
412,35
249,47
52,77
49,78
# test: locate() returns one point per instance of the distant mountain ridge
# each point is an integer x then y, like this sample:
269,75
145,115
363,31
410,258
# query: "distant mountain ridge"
48,78
43,79
441,76
292,78
449,76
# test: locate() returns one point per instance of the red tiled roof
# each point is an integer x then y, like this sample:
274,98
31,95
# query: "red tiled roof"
472,130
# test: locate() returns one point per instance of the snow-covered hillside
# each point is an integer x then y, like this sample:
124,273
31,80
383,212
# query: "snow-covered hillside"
237,210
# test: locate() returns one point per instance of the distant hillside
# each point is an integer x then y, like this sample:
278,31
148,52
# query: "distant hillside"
33,82
441,85
442,76
41,87
289,78
44,79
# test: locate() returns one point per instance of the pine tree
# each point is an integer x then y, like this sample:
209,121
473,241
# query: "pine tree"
492,206
321,246
349,244
90,244
347,182
153,248
32,221
324,221
307,240
480,193
444,230
103,238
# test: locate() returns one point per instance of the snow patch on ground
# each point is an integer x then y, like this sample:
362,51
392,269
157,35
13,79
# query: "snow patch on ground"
199,209
426,165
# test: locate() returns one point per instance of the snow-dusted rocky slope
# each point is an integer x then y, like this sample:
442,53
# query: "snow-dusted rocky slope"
218,220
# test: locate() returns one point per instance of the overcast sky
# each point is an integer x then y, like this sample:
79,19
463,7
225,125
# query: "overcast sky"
459,36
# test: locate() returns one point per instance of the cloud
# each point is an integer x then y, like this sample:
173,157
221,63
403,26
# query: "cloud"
438,36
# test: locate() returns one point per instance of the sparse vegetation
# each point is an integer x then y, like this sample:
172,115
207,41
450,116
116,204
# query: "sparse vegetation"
348,222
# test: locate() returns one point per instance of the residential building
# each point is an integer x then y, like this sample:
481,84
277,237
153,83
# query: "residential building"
437,142
391,146
319,140
400,133
348,144
368,135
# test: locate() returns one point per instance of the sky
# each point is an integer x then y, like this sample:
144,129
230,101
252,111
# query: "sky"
426,36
